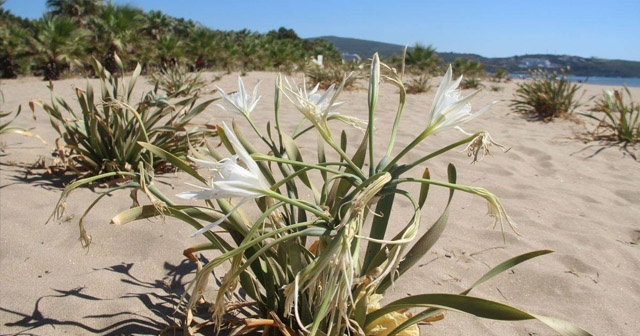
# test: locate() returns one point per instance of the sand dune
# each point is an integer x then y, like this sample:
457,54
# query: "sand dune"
581,200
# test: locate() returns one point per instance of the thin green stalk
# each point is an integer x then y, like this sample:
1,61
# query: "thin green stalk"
295,202
409,148
406,167
322,166
257,131
322,309
327,137
374,90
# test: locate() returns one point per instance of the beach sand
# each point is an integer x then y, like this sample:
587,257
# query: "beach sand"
581,200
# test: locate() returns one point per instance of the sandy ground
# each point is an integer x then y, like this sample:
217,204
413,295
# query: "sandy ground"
581,200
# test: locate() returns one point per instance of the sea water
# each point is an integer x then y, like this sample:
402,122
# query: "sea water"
612,81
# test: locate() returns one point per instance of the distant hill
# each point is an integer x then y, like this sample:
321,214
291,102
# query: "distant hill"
364,48
516,64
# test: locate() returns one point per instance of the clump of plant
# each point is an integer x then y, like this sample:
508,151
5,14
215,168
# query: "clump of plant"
471,83
496,88
7,128
420,59
472,70
104,135
176,81
330,74
500,75
418,84
546,96
323,244
620,120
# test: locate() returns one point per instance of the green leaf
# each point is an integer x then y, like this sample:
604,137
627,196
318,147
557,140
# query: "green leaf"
341,186
378,229
293,152
134,214
424,188
427,240
132,81
176,161
474,306
505,266
493,272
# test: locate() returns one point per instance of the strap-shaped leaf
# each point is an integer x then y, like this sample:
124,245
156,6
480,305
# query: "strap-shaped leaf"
427,240
424,188
378,229
341,186
293,152
474,306
134,214
176,161
492,273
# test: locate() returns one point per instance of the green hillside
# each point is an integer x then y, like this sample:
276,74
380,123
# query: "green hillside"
516,64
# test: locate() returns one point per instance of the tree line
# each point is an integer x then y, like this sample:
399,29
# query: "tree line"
72,32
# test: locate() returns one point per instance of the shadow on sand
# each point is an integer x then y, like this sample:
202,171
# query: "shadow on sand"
625,148
160,297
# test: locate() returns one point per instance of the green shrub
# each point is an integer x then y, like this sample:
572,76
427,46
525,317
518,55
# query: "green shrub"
324,245
419,84
621,120
496,88
500,75
103,137
471,83
325,76
177,81
546,96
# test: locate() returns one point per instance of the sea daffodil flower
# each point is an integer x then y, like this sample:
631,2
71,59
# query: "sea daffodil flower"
449,108
240,102
230,179
313,105
319,107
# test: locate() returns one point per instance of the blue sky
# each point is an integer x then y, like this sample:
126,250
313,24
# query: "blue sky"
492,28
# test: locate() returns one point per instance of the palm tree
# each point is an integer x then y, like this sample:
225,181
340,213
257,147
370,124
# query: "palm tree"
226,56
169,50
285,54
12,44
422,59
467,67
157,23
59,41
202,45
182,27
14,31
115,27
81,10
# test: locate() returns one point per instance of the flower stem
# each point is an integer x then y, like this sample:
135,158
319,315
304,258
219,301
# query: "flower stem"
406,167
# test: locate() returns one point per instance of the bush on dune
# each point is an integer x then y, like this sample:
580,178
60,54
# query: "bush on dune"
319,255
620,120
104,136
546,96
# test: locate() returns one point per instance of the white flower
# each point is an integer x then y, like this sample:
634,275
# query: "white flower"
314,105
240,101
230,179
320,107
449,108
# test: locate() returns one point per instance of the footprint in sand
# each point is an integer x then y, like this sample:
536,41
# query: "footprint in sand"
631,196
537,159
